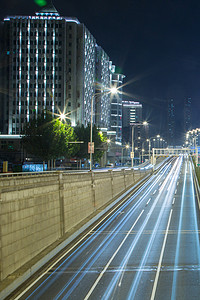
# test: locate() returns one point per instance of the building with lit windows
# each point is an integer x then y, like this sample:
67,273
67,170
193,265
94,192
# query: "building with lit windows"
103,81
132,115
35,60
50,65
116,105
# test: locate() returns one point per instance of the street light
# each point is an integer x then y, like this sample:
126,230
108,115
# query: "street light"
62,117
142,154
113,91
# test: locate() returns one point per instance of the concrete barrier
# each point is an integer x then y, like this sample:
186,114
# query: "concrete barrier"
36,211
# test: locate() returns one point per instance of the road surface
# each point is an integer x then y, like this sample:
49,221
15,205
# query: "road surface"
148,248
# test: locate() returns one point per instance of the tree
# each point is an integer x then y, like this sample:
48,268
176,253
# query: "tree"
48,138
83,134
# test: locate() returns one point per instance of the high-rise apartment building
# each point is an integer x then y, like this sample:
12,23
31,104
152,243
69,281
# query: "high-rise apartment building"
52,63
103,81
171,123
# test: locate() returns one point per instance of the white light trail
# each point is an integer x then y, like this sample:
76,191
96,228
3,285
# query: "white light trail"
174,283
81,246
175,171
109,262
161,258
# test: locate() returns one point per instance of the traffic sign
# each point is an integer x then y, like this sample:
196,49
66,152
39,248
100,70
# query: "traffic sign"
91,149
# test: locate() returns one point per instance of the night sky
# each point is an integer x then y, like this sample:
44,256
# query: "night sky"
156,45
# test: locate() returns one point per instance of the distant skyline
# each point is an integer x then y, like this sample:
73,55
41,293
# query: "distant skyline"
156,45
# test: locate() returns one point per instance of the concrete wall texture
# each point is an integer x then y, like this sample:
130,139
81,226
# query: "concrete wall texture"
37,210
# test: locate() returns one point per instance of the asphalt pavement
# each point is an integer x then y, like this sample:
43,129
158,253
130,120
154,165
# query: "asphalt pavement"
147,248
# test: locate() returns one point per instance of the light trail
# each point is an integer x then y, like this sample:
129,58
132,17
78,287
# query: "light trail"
110,237
169,195
97,253
161,258
109,262
81,247
91,237
174,283
116,277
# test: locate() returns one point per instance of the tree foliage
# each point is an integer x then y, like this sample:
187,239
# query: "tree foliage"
83,134
48,138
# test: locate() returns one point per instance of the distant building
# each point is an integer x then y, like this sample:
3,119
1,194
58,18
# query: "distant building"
116,105
51,66
171,123
103,80
132,115
187,114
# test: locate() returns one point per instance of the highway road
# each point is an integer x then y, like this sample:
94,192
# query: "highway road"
147,248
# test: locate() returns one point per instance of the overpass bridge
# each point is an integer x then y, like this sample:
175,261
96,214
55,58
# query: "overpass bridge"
176,151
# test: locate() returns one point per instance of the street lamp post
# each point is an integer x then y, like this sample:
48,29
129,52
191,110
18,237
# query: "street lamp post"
132,152
142,154
112,90
91,121
143,148
126,147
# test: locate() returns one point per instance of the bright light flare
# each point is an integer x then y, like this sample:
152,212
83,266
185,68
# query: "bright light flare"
62,117
114,90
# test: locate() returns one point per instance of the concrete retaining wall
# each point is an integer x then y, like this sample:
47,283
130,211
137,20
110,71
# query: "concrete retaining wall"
37,210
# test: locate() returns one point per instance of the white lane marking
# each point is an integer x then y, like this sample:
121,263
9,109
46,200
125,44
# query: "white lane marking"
173,201
161,257
175,191
148,201
178,183
154,192
111,259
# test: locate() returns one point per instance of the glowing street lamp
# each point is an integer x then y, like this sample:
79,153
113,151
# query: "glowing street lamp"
114,90
62,117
